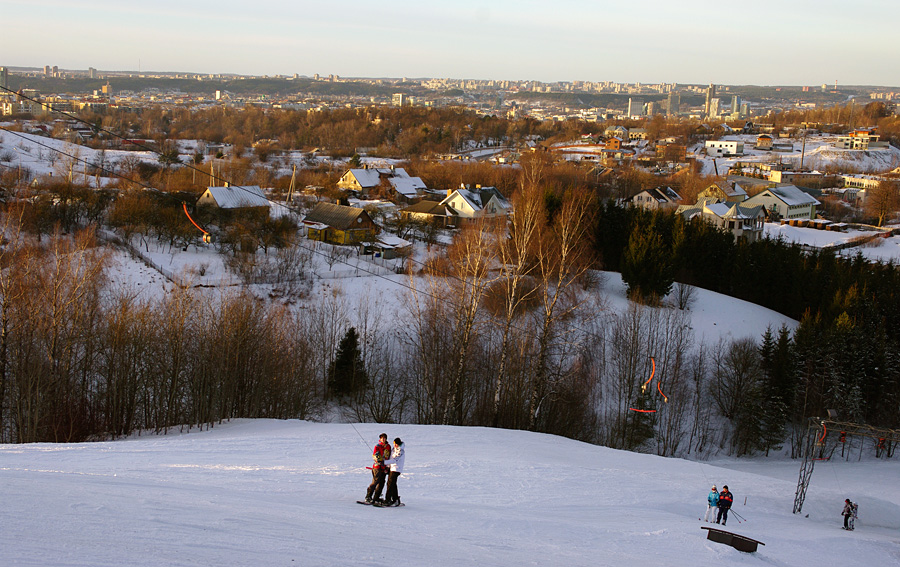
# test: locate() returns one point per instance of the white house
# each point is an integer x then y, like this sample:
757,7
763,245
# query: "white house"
481,202
788,201
721,148
744,222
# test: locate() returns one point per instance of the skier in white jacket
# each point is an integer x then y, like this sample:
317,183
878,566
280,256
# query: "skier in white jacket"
398,456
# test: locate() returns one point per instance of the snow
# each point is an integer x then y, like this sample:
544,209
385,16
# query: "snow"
266,492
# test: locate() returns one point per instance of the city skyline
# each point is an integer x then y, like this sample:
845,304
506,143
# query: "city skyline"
646,41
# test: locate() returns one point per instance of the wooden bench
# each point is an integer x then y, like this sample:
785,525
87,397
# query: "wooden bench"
739,542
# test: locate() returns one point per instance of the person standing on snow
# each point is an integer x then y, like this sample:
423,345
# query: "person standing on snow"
725,500
381,452
713,501
398,456
847,513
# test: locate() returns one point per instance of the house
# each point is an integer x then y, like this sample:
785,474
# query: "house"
722,148
433,212
745,223
620,132
365,179
338,224
234,197
730,192
655,199
788,201
861,139
481,202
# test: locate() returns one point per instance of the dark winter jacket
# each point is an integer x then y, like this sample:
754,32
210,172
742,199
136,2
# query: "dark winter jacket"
848,509
725,499
381,452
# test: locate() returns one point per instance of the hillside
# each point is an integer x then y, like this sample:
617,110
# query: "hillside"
283,493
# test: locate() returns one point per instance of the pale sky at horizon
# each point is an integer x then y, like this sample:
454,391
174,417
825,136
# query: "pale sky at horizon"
767,42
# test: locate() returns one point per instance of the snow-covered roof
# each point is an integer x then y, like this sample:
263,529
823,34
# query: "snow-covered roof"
792,196
407,186
391,241
238,196
371,177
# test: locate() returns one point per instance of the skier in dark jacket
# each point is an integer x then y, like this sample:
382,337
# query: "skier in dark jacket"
726,498
381,452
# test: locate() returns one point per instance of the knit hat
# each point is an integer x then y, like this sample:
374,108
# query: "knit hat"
714,487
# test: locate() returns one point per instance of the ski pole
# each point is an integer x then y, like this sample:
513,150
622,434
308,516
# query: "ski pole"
739,517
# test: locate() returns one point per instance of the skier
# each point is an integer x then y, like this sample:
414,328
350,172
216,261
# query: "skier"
381,452
725,500
398,455
847,513
713,500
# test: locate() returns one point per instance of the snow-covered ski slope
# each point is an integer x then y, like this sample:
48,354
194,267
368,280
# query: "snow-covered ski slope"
265,493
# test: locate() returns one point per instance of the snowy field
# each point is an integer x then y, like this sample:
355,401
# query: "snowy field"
261,492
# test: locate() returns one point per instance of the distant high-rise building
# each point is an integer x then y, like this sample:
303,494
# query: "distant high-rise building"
92,73
745,110
710,95
46,70
674,103
714,107
4,78
735,104
651,108
400,99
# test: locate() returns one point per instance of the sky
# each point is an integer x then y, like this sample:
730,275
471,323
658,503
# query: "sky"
766,42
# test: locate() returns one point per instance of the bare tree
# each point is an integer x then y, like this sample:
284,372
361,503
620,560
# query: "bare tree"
563,256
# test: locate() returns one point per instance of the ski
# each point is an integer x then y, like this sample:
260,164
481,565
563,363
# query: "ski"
379,505
364,503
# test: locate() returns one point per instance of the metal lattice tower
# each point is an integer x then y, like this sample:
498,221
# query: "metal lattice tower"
816,436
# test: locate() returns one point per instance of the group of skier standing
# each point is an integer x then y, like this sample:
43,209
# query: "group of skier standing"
719,505
387,465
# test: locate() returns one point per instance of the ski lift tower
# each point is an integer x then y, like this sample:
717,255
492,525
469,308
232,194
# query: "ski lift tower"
814,446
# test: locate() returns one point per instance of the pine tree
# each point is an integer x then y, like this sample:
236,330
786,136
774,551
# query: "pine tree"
647,265
347,374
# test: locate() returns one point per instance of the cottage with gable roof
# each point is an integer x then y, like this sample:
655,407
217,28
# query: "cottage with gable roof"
730,192
789,201
478,203
363,180
234,197
338,224
655,199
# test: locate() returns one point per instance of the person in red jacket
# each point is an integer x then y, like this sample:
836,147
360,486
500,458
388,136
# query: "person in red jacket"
381,452
726,498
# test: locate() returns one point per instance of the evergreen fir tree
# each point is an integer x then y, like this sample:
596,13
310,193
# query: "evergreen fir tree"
347,374
647,265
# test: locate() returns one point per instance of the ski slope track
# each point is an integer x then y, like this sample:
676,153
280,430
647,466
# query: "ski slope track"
264,492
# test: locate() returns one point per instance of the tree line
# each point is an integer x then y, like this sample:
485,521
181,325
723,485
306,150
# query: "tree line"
505,327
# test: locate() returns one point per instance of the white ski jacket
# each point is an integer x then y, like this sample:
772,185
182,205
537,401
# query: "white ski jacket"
398,455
